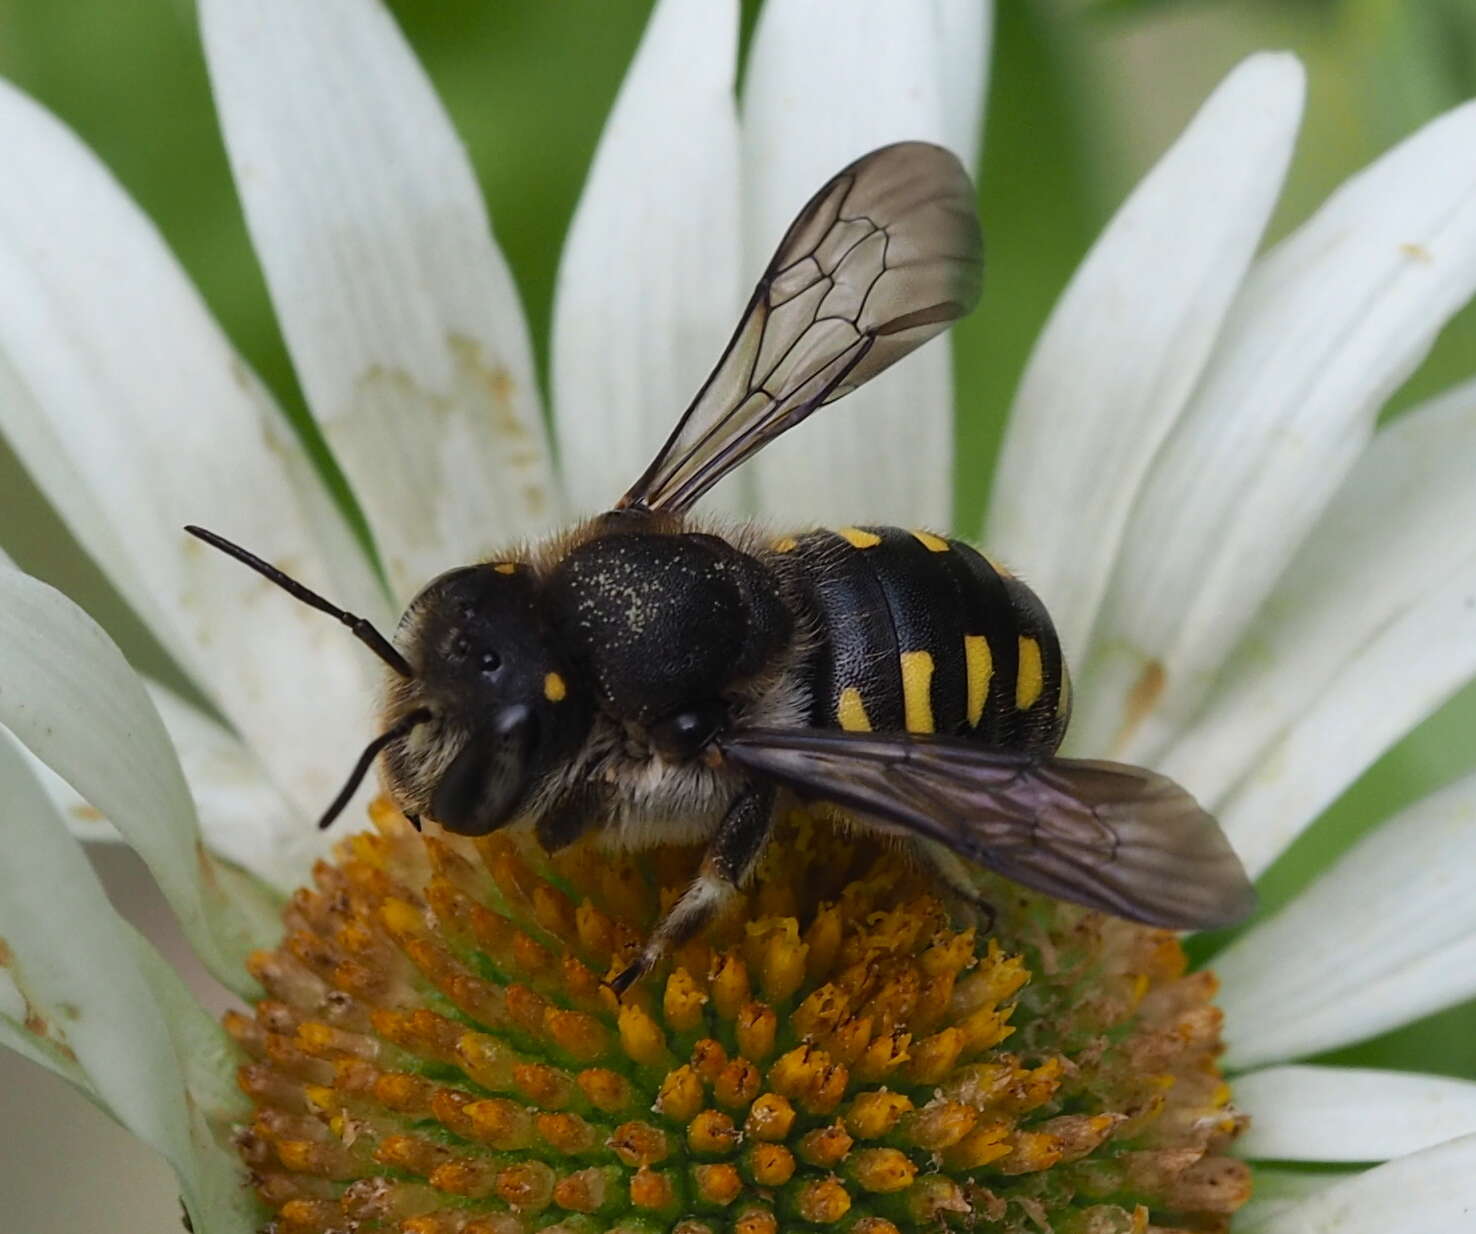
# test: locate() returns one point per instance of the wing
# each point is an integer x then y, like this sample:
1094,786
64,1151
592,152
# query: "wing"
1118,838
884,257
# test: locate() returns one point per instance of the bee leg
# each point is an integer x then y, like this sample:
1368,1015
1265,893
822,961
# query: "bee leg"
953,873
567,819
730,858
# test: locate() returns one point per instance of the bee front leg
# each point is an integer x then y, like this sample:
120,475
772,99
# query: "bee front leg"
570,816
730,859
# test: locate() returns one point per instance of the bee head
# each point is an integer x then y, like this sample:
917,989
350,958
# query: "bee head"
501,705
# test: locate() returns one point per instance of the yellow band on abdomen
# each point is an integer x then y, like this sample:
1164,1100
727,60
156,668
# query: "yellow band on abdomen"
979,664
917,691
1030,680
858,537
851,711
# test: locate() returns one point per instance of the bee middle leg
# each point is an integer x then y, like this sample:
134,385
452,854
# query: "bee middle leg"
730,858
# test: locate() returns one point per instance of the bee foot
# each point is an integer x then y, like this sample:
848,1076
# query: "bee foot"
978,912
628,976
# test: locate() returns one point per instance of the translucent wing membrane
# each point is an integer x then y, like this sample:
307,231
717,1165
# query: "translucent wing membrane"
881,259
1118,838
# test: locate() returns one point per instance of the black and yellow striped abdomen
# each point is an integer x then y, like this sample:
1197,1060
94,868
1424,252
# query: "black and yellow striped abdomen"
923,634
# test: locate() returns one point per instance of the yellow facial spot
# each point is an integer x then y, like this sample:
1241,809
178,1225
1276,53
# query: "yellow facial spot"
554,688
785,544
506,567
851,712
979,665
917,691
1031,679
859,538
934,544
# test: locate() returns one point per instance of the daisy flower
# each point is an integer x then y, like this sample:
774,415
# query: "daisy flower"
1260,589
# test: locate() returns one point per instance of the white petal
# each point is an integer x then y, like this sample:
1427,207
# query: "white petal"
399,311
1278,1191
67,694
826,82
649,286
964,33
85,821
1326,327
31,1044
76,964
1399,527
1385,936
1120,354
208,1058
338,560
130,409
242,816
1350,1114
1430,1192
217,1199
1382,690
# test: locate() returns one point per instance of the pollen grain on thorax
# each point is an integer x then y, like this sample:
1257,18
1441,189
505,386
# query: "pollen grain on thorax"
438,1053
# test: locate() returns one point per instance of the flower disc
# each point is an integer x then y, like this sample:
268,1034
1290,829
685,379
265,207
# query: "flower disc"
438,1052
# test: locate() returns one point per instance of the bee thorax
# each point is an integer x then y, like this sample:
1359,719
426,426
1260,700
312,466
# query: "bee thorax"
662,623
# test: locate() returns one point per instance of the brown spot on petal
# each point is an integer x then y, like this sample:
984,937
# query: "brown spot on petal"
1141,700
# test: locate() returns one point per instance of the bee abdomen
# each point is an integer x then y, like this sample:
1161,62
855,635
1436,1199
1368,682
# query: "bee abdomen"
923,634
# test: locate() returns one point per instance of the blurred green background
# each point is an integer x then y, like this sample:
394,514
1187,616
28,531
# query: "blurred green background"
1084,96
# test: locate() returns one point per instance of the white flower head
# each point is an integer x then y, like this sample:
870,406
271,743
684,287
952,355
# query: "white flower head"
1260,590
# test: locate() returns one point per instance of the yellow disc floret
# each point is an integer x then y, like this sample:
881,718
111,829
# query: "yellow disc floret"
438,1052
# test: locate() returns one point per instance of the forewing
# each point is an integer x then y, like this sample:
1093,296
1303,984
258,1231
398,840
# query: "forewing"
881,259
1118,838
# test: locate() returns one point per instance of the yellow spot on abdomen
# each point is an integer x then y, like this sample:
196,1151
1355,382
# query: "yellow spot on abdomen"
934,544
979,664
1031,679
554,688
786,544
506,567
859,538
851,711
917,691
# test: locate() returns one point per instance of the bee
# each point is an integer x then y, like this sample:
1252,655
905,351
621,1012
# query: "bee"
651,679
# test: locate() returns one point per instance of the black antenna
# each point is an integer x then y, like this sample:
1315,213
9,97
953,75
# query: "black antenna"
366,760
362,630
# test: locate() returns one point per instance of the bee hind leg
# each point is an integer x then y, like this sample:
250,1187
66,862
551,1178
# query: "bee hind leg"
953,873
730,859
